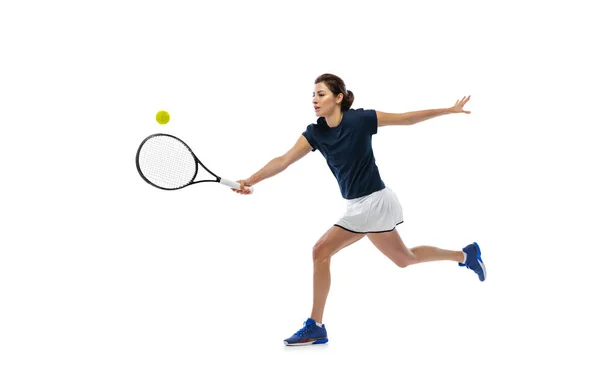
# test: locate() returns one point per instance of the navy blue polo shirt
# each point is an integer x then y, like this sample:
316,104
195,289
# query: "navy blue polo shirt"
348,151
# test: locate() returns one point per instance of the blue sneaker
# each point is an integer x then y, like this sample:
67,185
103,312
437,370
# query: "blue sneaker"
310,334
474,261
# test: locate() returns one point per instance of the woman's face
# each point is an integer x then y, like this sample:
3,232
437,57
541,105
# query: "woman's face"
324,102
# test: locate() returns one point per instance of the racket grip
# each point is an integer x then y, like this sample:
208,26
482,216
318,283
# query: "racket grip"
234,184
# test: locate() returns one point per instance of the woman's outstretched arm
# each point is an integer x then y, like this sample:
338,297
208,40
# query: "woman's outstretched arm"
413,117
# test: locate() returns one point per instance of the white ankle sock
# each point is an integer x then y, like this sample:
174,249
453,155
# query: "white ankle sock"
319,324
465,260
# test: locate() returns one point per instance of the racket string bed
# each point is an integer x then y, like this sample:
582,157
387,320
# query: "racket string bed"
167,162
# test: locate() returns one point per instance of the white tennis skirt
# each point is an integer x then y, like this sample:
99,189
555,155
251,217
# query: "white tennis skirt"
377,212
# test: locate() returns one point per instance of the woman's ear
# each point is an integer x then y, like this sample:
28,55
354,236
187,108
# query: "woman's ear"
339,98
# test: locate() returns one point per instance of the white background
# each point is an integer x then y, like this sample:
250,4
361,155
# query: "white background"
101,272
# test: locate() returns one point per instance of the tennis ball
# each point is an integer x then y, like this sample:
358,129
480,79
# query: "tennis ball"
162,117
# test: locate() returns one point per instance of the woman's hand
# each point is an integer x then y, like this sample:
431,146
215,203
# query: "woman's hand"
244,190
458,106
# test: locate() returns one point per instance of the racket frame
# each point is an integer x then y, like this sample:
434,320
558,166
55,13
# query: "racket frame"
137,164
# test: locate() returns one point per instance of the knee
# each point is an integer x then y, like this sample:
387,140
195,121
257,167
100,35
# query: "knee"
321,253
406,261
402,263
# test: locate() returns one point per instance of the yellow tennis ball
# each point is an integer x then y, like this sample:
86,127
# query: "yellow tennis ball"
162,117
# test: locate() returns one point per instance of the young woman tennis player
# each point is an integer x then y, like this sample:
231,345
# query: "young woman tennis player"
343,136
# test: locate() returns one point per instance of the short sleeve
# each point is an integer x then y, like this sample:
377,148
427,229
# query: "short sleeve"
309,135
370,119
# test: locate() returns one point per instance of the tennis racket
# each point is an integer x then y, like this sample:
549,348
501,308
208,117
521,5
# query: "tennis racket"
166,162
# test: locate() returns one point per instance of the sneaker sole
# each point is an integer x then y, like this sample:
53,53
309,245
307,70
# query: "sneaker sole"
480,260
315,342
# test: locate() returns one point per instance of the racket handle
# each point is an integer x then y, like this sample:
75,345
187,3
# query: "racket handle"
234,184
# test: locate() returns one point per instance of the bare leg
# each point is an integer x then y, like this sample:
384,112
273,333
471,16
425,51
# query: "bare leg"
391,245
330,243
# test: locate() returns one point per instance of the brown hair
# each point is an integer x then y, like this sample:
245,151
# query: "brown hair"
336,86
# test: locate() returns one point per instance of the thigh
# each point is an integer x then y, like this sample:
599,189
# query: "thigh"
334,240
